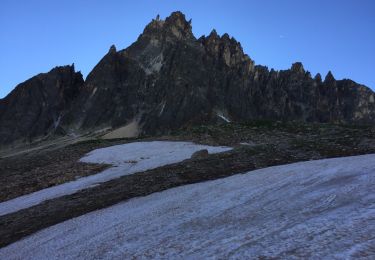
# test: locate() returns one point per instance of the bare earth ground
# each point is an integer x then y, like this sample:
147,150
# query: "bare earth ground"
257,145
36,170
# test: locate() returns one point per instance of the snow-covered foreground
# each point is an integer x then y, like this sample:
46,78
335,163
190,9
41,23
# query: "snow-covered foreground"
127,159
317,209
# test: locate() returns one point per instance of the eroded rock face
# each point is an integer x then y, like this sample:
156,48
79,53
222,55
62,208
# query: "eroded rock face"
35,107
168,79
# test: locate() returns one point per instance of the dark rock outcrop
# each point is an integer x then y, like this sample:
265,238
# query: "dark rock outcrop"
200,154
35,107
168,79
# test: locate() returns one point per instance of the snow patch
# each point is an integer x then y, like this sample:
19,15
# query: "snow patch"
56,122
162,108
93,92
147,155
220,114
318,209
155,65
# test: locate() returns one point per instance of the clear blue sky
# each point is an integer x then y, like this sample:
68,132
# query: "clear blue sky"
337,35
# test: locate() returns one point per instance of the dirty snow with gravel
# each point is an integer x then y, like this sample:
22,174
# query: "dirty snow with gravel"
321,209
126,158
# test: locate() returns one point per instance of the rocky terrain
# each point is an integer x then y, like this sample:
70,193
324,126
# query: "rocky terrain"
34,108
171,110
257,144
170,79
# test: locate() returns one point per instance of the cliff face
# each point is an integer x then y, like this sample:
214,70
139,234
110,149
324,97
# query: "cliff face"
168,79
35,107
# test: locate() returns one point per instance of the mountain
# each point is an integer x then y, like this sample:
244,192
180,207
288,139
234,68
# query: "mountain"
35,107
169,79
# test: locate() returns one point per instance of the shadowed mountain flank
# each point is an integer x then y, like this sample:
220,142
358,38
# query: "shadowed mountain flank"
169,79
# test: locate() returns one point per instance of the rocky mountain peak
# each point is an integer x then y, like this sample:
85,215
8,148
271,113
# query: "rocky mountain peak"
297,67
112,49
178,19
213,34
212,38
36,106
178,26
174,26
168,79
329,78
61,69
226,48
318,78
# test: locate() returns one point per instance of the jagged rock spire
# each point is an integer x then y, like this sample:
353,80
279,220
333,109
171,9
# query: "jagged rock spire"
318,78
167,64
174,26
178,25
112,49
329,77
298,67
213,33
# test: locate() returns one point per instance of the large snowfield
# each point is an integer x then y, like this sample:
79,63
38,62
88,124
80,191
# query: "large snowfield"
318,209
126,158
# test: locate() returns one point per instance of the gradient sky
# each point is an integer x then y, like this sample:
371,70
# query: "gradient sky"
336,35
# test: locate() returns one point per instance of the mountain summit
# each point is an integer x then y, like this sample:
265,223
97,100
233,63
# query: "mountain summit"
168,79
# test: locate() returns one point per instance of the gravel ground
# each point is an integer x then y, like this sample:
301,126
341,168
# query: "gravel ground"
257,145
